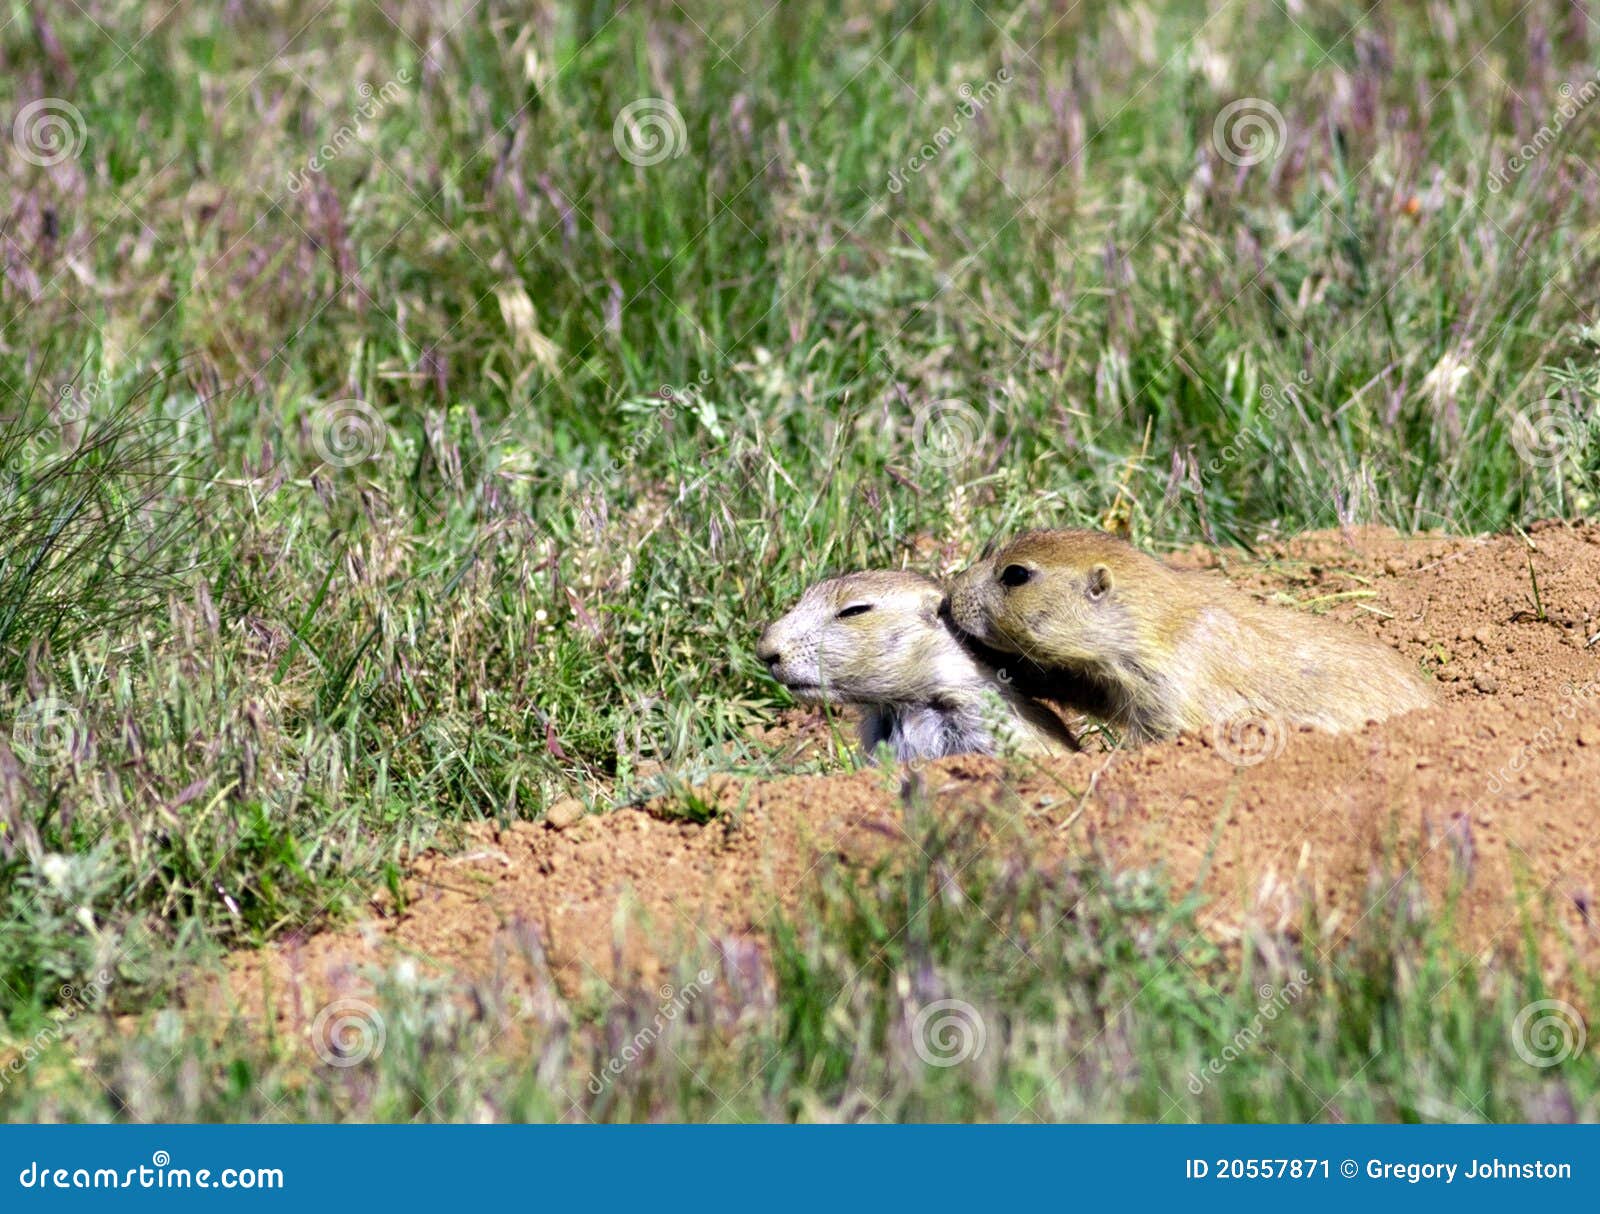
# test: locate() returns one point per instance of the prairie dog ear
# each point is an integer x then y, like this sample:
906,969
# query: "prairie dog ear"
1099,582
931,607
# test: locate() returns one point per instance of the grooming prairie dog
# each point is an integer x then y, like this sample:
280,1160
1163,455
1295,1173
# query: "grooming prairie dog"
877,640
1165,651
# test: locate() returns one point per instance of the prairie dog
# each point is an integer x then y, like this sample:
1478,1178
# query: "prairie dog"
878,640
1167,651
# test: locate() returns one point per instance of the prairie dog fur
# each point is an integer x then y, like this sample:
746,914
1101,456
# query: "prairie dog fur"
877,639
1167,651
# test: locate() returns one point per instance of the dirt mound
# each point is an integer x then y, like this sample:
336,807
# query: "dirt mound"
1490,799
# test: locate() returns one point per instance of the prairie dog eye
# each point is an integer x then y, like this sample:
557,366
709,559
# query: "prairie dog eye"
1015,575
853,609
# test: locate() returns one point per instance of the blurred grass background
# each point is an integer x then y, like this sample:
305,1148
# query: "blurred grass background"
396,415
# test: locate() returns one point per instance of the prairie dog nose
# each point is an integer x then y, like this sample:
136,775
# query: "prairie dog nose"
767,648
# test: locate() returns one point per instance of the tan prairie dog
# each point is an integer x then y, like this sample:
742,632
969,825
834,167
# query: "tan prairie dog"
1162,651
878,640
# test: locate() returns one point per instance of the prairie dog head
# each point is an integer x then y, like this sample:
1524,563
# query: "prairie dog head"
1059,597
867,638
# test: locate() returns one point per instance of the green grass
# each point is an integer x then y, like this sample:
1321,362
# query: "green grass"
248,671
958,980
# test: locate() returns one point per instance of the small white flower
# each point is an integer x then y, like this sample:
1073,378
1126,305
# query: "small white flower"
56,868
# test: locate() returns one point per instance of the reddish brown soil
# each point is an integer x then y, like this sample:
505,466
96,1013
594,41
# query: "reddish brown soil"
1494,793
